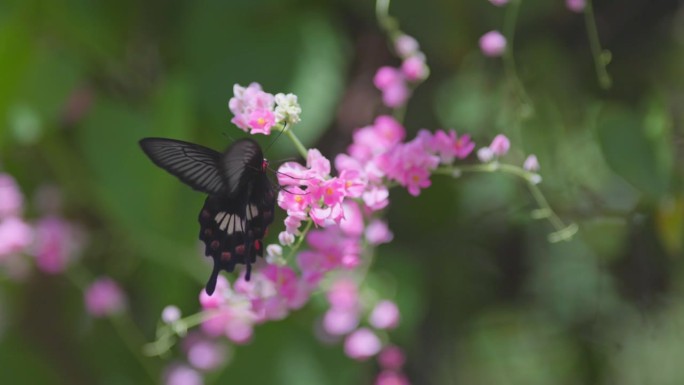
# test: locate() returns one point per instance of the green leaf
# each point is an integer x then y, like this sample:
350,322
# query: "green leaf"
633,152
156,210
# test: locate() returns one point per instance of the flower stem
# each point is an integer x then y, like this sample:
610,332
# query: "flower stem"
133,339
298,144
562,231
299,242
601,57
511,18
387,22
131,336
166,333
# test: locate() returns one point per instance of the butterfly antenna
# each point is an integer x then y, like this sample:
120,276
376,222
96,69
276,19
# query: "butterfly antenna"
227,135
290,192
276,138
289,176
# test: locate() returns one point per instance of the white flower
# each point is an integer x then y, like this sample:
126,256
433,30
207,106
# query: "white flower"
287,108
286,238
531,163
274,254
485,154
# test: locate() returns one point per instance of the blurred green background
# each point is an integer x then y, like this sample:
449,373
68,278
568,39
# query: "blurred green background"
485,298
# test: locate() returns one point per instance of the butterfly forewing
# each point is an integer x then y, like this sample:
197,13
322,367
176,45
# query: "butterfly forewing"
241,163
195,165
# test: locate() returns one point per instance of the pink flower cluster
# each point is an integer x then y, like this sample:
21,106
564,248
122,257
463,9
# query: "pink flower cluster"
203,354
499,147
391,361
269,295
344,316
16,235
394,82
256,111
53,241
377,155
104,297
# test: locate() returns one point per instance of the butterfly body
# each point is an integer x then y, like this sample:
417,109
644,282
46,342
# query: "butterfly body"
240,202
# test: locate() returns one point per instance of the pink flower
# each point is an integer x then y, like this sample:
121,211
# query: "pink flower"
317,163
410,164
330,192
15,236
378,233
310,191
11,199
204,353
352,224
392,83
253,109
362,344
330,249
396,94
416,179
493,44
287,285
57,244
354,181
182,375
261,121
386,77
344,294
385,315
463,146
406,45
385,133
240,330
448,145
216,299
414,68
500,145
391,357
376,198
292,174
104,297
388,377
575,5
531,163
499,3
339,322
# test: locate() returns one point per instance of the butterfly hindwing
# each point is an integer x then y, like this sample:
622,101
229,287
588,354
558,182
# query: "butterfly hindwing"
233,229
195,165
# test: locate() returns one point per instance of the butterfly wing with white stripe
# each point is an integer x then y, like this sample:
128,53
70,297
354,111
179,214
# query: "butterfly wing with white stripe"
195,165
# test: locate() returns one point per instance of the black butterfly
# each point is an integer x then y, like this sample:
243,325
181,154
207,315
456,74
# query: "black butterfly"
241,199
